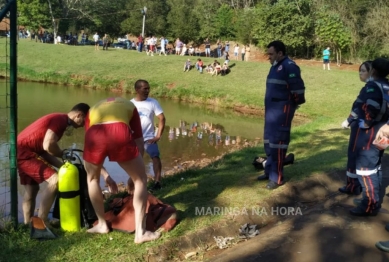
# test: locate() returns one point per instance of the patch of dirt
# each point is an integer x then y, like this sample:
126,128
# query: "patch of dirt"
119,87
81,77
257,55
323,230
171,85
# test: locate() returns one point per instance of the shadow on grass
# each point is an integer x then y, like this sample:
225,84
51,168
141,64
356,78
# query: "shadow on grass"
318,155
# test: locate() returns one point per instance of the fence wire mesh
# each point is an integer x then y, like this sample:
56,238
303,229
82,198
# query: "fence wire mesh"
5,189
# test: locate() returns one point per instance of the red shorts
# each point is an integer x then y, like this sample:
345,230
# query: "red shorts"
33,170
152,47
112,140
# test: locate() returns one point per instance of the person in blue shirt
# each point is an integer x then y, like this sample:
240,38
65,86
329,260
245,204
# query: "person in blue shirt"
326,58
284,93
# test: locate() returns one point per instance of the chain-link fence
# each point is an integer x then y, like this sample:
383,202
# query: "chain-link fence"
8,113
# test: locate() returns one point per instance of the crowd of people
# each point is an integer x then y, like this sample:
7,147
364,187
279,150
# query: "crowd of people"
213,69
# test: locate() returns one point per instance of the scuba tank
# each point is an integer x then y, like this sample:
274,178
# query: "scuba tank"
69,197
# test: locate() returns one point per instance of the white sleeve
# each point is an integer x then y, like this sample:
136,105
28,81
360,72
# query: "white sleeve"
157,108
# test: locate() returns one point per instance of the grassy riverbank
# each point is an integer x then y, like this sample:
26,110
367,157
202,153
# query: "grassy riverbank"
319,144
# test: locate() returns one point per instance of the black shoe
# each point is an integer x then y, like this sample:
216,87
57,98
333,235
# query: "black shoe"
383,246
358,201
356,191
358,211
263,177
272,185
289,159
157,186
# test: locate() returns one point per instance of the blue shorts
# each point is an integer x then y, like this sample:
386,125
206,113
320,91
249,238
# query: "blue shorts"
326,61
152,149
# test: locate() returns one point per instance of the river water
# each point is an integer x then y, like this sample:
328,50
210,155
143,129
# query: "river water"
217,131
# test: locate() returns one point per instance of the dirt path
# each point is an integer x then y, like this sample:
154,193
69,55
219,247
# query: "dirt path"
325,231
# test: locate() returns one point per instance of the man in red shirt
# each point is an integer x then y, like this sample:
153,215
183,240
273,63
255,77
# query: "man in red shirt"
113,130
37,155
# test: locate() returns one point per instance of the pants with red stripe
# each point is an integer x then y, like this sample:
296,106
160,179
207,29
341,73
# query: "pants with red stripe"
368,168
276,149
371,186
352,182
278,122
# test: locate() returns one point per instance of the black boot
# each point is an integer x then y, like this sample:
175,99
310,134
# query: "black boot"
263,177
352,187
273,185
289,159
360,211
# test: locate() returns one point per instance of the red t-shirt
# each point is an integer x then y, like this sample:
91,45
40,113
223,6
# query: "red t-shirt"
31,137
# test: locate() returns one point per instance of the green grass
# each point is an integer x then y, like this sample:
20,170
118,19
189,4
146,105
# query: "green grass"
319,144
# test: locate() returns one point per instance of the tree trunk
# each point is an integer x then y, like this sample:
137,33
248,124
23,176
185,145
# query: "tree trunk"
54,22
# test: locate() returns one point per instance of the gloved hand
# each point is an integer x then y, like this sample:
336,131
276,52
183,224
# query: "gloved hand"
345,124
362,124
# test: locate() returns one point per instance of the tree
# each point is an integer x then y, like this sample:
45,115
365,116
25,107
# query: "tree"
182,21
33,14
156,18
224,22
245,20
205,14
377,30
288,21
330,31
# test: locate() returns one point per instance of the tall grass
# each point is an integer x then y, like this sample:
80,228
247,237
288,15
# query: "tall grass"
318,142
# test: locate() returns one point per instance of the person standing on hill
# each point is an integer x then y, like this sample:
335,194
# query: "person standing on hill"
140,43
326,58
284,93
96,39
207,47
236,52
243,52
149,108
105,42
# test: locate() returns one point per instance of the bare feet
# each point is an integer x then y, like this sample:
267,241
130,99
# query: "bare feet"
147,236
100,228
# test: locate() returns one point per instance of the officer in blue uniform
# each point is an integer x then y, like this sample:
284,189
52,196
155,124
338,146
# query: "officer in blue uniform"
284,93
353,187
383,132
372,115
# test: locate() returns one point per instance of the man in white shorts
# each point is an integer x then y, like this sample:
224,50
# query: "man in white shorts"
148,108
